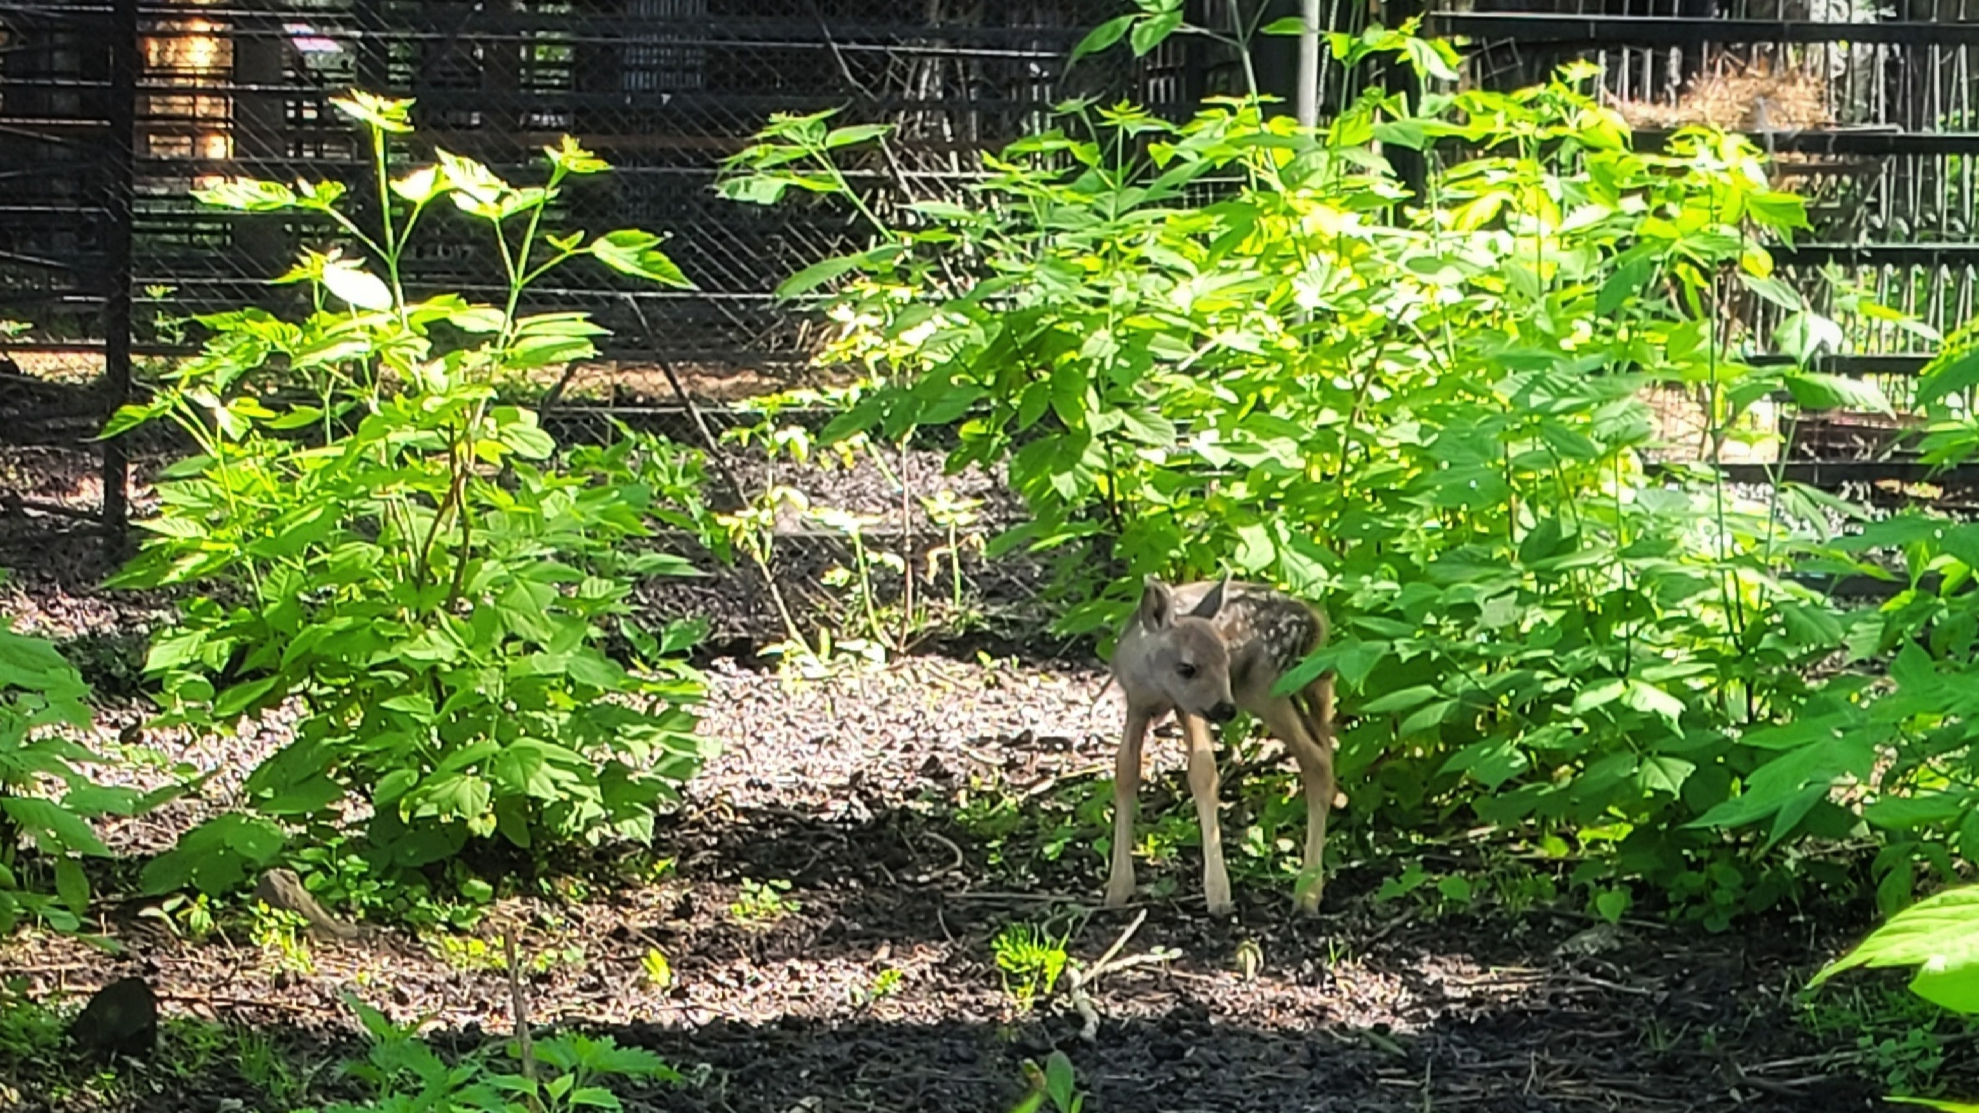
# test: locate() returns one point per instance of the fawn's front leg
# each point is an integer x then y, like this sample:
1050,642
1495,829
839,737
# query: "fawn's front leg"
1203,786
1126,799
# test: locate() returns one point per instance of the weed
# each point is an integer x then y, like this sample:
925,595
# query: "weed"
1054,1082
28,1030
884,984
1898,1037
280,932
265,1067
188,915
763,902
657,970
1029,960
471,952
564,1073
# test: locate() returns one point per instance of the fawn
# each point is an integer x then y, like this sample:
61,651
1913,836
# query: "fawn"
1205,651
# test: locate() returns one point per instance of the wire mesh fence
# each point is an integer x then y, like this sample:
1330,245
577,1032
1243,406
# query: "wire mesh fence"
1868,109
113,111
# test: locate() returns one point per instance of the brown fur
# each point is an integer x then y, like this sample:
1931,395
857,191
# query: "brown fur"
1205,651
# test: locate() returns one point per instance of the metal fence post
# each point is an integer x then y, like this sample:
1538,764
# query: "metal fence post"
119,200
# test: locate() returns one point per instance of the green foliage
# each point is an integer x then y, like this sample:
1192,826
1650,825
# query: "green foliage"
570,1072
1029,960
658,970
368,530
338,871
471,952
29,1031
46,792
1054,1082
283,936
1227,345
762,902
887,598
1939,936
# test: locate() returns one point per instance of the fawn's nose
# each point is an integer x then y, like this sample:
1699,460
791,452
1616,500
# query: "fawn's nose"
1222,712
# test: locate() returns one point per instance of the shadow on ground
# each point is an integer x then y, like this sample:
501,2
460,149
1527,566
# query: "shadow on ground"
1519,1060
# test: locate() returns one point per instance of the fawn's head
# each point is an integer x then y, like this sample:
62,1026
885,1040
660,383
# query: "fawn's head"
1189,659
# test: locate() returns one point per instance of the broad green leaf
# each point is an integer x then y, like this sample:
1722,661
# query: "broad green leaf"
1103,36
355,285
816,275
855,134
1940,936
1948,374
248,195
55,828
1152,31
1903,813
1819,391
638,254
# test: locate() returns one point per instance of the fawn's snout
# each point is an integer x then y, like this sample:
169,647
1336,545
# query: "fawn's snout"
1221,712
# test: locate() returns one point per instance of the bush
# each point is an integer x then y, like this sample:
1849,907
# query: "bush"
46,792
1233,345
386,542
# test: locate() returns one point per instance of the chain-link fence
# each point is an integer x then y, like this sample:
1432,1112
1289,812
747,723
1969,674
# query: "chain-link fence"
112,111
1871,111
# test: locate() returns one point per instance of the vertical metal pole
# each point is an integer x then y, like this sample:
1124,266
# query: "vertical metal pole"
1307,102
1411,167
119,198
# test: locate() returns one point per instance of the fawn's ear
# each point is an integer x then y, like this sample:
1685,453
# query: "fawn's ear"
1212,601
1157,610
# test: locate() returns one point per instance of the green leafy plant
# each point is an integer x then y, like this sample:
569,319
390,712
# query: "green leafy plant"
367,529
46,792
762,902
337,869
29,1030
657,970
282,934
564,1073
471,952
1029,961
1226,345
1940,937
1055,1082
882,602
190,914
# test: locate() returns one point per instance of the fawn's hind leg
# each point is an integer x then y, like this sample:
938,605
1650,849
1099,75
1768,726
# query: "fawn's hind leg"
1310,738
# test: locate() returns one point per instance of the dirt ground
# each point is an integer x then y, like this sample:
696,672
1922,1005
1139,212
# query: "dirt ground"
867,794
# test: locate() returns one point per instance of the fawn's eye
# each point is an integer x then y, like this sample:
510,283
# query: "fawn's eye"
1187,670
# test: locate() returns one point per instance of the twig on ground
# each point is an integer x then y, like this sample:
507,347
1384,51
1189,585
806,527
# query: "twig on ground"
1100,966
519,1001
1603,983
988,896
1078,981
954,867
